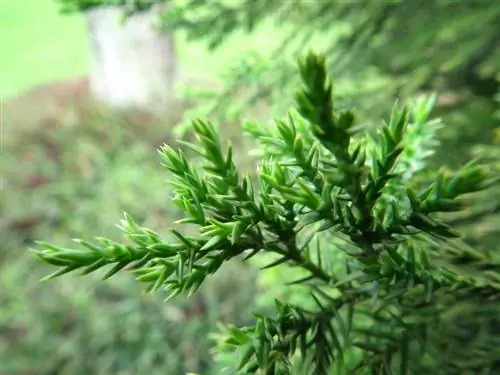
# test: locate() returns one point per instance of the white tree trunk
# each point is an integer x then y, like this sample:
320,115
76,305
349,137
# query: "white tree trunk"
133,65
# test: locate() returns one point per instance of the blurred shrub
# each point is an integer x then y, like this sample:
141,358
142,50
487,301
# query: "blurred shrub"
75,172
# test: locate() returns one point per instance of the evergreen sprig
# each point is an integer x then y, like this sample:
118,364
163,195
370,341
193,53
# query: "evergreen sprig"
378,314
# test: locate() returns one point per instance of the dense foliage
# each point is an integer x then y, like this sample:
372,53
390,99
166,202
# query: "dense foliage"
391,288
65,174
72,178
376,52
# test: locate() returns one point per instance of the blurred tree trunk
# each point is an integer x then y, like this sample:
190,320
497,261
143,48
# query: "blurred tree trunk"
134,66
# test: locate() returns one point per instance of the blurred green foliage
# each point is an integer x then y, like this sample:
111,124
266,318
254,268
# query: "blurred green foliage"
377,51
64,176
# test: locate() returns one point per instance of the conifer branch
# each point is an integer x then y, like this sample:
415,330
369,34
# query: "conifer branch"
405,272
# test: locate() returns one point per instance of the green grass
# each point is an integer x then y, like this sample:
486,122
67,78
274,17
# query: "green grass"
39,45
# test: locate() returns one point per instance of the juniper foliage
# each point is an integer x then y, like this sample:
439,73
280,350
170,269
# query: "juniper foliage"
480,222
396,48
375,51
401,295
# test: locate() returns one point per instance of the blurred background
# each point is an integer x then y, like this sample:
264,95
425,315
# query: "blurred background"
86,99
